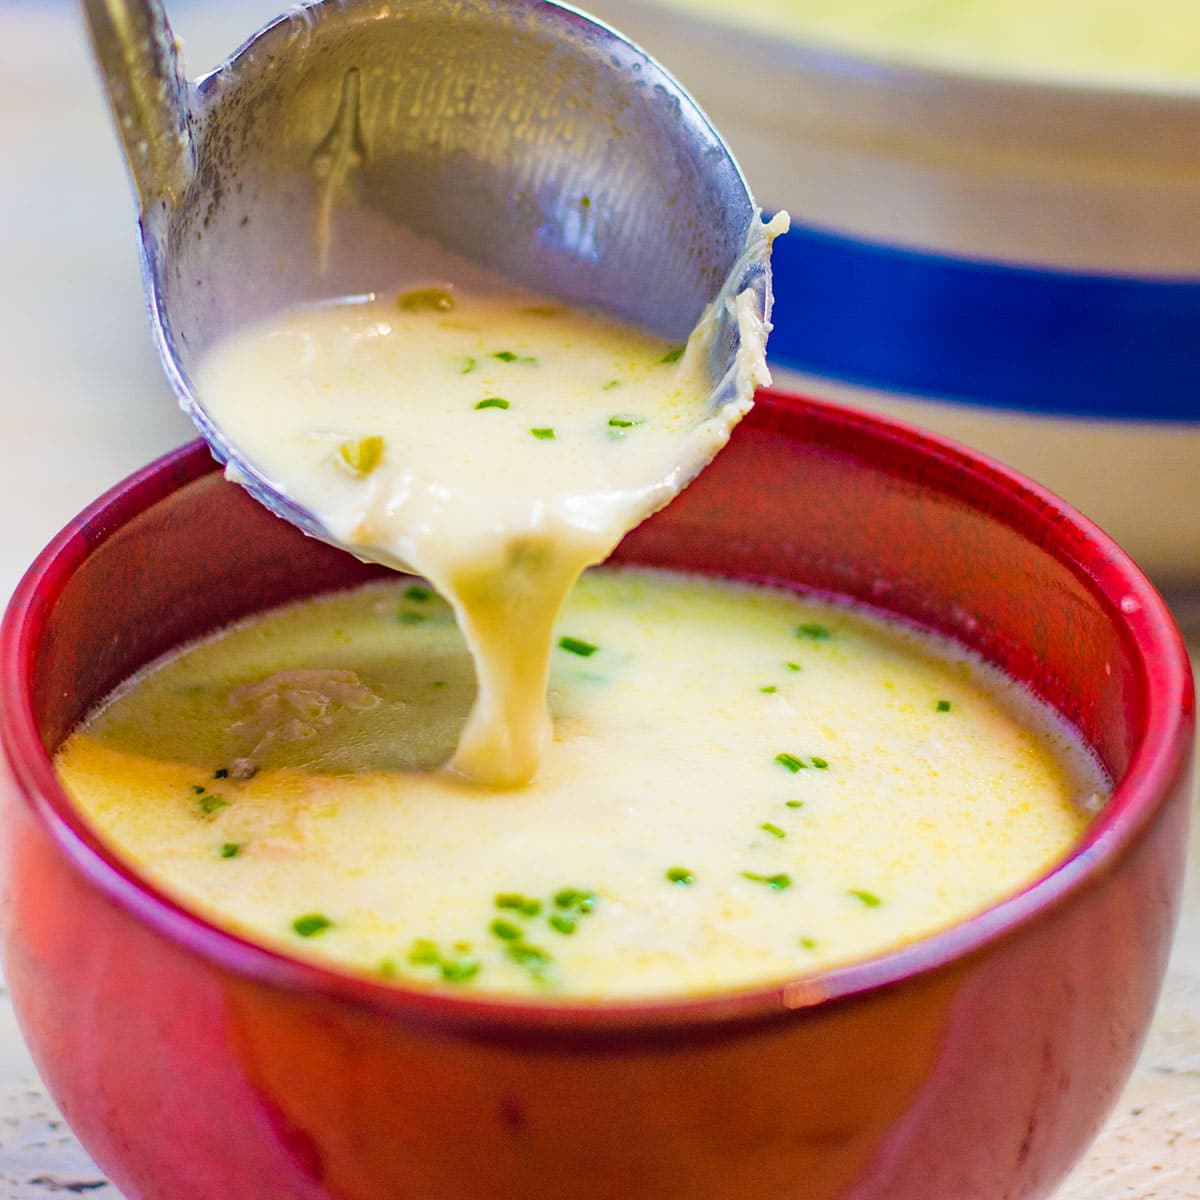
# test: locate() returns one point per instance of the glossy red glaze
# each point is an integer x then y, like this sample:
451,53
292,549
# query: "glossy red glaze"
976,1064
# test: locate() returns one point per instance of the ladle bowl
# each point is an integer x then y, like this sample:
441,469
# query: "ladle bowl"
350,142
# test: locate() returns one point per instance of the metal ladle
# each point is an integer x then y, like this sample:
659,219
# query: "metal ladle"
519,134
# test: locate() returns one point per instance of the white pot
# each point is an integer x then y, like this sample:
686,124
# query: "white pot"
1010,262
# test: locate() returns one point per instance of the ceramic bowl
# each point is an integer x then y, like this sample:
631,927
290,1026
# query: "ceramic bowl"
976,1063
1007,259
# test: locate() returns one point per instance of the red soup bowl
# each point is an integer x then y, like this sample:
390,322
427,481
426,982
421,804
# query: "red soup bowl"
973,1064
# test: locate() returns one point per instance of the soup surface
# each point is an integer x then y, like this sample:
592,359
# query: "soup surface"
742,786
1150,42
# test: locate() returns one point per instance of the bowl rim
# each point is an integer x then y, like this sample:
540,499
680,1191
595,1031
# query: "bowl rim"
1160,762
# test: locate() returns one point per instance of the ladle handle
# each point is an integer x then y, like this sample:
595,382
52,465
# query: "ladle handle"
142,73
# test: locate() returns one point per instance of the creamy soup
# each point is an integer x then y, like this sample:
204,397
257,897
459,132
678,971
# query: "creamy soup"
493,441
742,786
1151,41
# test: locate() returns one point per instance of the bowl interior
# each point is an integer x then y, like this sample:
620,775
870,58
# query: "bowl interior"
807,495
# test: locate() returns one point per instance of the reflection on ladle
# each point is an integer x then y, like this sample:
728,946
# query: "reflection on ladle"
489,124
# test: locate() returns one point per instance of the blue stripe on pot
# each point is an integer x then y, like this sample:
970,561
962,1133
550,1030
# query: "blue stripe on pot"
985,333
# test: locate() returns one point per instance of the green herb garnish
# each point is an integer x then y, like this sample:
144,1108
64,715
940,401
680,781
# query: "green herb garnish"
418,594
311,924
425,300
778,883
563,923
673,355
868,898
769,690
814,633
492,402
773,830
819,763
466,365
410,618
533,958
680,875
790,761
231,849
576,899
943,706
808,943
456,967
623,422
544,434
791,666
211,804
506,930
361,458
527,906
795,804
575,646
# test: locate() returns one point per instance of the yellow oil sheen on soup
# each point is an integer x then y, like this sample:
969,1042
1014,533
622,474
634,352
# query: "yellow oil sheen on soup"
742,786
1155,42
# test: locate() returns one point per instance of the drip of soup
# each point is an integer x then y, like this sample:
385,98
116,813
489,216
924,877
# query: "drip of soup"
495,442
743,786
1150,42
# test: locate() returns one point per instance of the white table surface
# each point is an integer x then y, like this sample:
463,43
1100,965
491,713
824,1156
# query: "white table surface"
83,403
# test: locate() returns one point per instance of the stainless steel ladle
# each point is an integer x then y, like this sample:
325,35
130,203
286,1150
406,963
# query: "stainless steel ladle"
519,134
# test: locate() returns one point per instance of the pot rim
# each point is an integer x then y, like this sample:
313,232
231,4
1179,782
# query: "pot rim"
1157,769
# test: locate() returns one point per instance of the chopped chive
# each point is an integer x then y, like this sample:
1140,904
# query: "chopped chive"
505,930
563,923
868,898
680,875
612,383
769,690
544,434
623,422
778,883
795,804
492,402
943,706
673,355
418,594
459,970
790,761
525,955
311,924
387,969
221,773
505,356
212,803
575,898
819,763
792,666
466,365
527,906
410,618
814,633
425,300
231,849
575,646
424,953
362,457
773,830
808,943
